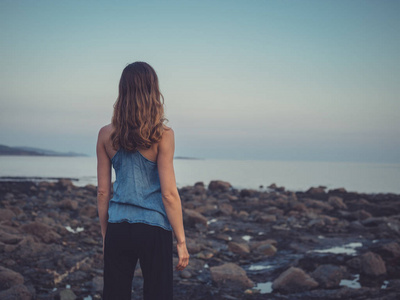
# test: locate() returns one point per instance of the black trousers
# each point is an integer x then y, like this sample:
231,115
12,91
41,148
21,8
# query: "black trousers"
125,243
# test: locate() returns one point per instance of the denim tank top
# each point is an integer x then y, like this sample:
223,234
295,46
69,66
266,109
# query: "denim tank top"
137,191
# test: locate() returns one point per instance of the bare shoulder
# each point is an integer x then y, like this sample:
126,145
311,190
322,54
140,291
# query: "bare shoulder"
105,131
168,135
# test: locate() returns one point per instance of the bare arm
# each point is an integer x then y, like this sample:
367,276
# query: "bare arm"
170,195
103,181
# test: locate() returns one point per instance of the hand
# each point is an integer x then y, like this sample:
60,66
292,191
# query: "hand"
183,256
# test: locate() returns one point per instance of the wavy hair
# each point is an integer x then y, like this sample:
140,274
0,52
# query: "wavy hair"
138,116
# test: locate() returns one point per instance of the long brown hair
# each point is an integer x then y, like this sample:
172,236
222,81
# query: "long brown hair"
138,118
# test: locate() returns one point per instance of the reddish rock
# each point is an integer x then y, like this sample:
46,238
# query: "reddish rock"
6,214
9,278
337,202
68,204
19,292
294,280
266,249
372,264
315,190
89,211
191,217
42,232
219,185
226,208
231,275
239,248
266,218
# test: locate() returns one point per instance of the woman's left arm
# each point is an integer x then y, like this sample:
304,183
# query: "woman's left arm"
103,181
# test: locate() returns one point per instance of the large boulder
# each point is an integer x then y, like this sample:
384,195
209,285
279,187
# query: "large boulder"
372,264
42,231
192,217
337,202
239,248
219,185
6,214
231,275
9,278
328,276
19,292
294,280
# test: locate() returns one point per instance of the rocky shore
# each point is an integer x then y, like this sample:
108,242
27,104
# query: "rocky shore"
244,244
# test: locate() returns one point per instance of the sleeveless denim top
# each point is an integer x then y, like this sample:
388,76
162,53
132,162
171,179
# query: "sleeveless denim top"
137,191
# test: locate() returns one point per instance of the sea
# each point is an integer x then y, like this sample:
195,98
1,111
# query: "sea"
372,178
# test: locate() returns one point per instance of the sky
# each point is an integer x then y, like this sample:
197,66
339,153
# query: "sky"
258,80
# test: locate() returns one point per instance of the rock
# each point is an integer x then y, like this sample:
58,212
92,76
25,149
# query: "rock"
185,274
226,208
294,280
97,283
266,218
232,275
192,246
191,217
390,250
337,202
41,231
246,193
256,244
65,184
219,185
91,189
315,190
362,214
68,204
318,204
89,211
354,263
239,248
19,292
10,239
372,264
328,276
67,294
266,249
6,214
9,278
338,191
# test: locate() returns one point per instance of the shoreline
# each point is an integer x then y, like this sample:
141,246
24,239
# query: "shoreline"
261,188
244,243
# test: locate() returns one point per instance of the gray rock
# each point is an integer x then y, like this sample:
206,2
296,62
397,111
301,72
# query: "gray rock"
67,295
328,276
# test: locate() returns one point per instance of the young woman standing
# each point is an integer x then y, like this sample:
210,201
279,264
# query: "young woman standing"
138,219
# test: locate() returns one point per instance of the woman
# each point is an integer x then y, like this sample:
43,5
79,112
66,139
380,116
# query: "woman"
137,222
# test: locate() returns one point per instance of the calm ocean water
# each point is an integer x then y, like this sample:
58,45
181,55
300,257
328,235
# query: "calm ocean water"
293,175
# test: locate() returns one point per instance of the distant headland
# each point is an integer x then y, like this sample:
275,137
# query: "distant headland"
30,151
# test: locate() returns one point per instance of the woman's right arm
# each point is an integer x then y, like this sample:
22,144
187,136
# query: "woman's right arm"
170,195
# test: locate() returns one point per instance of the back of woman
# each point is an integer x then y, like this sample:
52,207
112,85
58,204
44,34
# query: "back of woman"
138,220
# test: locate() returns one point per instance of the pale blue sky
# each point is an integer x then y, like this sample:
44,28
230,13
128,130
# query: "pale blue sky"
271,80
